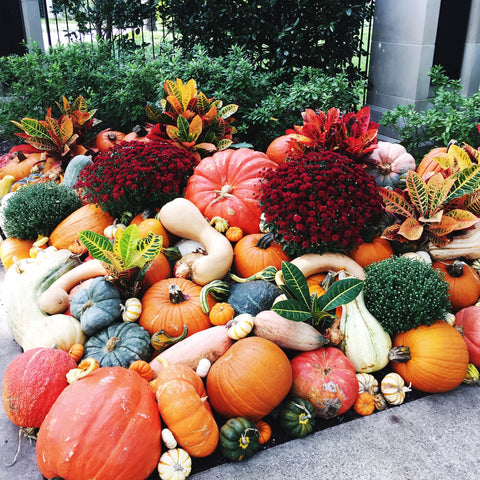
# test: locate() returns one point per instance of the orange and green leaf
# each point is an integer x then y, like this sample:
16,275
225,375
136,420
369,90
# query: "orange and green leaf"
411,229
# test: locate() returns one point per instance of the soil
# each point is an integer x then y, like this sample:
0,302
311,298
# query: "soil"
5,145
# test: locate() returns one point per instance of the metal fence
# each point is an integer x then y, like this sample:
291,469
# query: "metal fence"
59,28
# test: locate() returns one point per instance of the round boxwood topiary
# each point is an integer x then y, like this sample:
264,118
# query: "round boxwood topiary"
37,209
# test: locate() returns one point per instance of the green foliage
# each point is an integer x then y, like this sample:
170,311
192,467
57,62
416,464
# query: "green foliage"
276,34
301,306
37,209
452,116
403,293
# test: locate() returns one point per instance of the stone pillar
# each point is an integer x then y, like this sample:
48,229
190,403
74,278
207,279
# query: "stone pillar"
470,73
403,45
32,23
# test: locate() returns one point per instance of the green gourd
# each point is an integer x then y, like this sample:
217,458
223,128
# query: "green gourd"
239,439
119,344
297,417
73,169
96,306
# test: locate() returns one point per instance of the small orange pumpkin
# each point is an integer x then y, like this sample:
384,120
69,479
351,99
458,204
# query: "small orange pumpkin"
221,313
234,234
464,283
256,251
173,303
432,358
264,432
155,226
76,351
283,147
108,138
364,404
368,252
143,368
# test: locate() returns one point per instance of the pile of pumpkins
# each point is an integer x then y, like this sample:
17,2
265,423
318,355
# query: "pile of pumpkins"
121,387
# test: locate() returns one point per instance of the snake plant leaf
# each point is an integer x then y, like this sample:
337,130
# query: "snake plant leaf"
417,191
466,181
296,284
396,203
96,244
339,293
292,310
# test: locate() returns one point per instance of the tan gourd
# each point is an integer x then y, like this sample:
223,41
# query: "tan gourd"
183,219
465,244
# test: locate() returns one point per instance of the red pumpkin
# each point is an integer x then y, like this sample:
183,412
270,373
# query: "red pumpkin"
250,379
32,382
104,426
171,304
468,319
326,378
368,252
432,358
254,252
464,283
227,185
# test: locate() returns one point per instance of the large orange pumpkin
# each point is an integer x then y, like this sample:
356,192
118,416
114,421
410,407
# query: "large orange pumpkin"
184,408
254,252
227,184
88,217
432,358
463,280
428,166
250,379
171,304
21,164
368,252
104,426
12,249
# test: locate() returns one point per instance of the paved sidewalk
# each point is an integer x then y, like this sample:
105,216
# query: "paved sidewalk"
433,438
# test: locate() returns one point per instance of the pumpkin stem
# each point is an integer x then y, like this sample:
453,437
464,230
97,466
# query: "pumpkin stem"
21,156
224,192
28,432
400,354
175,294
265,241
304,417
385,168
111,136
111,344
455,269
86,306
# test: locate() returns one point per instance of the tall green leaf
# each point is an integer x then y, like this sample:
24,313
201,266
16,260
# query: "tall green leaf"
340,292
466,181
296,283
96,244
292,309
128,242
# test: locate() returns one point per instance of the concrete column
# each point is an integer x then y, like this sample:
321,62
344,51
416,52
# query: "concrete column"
32,22
403,44
470,73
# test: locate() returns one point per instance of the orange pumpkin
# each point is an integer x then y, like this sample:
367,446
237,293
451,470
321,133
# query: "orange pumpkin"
464,283
88,217
250,379
264,432
184,408
21,165
283,147
139,134
171,304
14,248
234,234
159,269
369,252
221,313
432,358
254,252
364,404
155,226
428,166
108,138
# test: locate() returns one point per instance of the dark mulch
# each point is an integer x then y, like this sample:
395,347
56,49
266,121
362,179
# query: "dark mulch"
5,145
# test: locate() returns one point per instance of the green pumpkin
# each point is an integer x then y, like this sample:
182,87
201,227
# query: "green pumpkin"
96,306
297,417
119,344
239,439
73,169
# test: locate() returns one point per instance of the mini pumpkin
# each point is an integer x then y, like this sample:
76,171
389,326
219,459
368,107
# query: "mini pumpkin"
364,404
132,309
239,439
96,306
264,431
175,464
240,326
119,344
367,383
393,388
221,313
297,417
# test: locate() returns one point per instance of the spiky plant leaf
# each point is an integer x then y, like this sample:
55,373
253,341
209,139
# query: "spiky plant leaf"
96,244
417,191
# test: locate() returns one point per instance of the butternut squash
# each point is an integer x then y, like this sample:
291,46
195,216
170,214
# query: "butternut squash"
29,325
183,219
211,344
312,263
55,298
286,333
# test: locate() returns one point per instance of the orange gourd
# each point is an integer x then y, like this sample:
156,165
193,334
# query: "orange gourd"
12,249
76,351
143,368
221,313
432,358
234,234
256,251
183,406
368,252
428,166
250,379
88,217
364,404
171,304
463,280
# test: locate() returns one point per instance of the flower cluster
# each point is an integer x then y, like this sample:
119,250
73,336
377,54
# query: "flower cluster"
132,176
319,202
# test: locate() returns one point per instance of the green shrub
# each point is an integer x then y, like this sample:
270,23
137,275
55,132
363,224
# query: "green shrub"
37,209
452,116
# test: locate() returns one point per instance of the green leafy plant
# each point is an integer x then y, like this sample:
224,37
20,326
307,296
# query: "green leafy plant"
450,115
127,260
300,306
189,118
426,211
37,209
